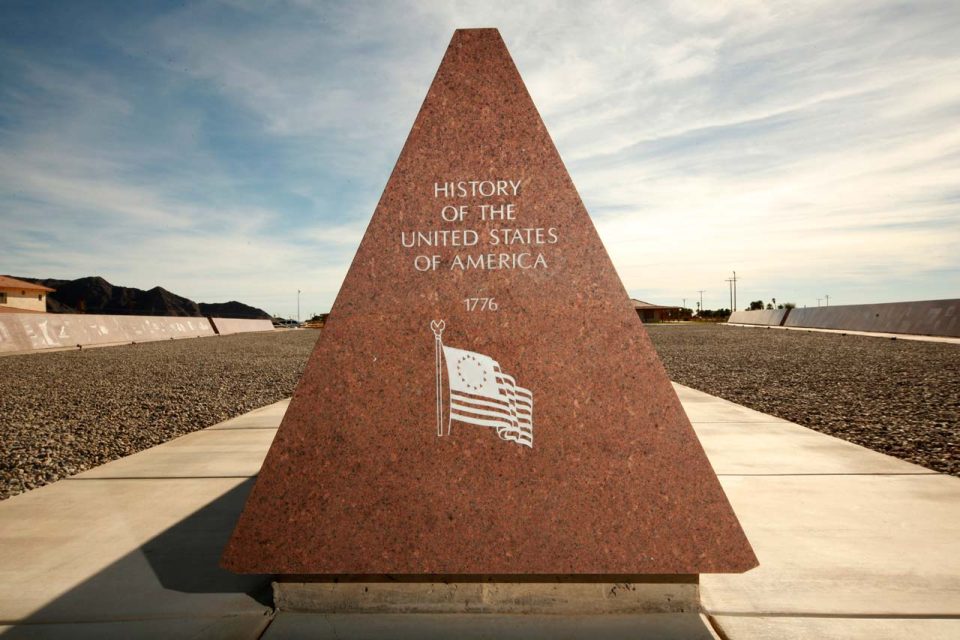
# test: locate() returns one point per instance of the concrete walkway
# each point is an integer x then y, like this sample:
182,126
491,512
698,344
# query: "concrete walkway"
847,332
852,544
130,549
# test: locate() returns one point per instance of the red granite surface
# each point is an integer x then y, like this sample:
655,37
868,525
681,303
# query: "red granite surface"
358,481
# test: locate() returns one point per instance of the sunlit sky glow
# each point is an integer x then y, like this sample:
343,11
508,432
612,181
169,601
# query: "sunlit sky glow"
234,150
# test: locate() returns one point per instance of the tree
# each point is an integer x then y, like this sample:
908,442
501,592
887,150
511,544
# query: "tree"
713,314
756,305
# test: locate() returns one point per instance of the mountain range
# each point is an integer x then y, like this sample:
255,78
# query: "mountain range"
93,294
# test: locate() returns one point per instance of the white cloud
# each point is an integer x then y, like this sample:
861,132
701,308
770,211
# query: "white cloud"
808,145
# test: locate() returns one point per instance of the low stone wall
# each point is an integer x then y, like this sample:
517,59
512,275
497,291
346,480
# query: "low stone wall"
33,331
764,317
226,326
928,318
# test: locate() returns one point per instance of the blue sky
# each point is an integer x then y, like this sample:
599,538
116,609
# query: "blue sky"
236,150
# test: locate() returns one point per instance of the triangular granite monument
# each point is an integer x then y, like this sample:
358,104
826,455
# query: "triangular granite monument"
484,399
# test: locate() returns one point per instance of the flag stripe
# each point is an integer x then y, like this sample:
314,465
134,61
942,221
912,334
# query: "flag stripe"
458,408
481,400
486,402
507,414
522,434
508,418
482,421
507,381
505,397
511,393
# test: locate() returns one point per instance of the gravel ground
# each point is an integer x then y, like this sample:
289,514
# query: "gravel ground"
899,397
64,412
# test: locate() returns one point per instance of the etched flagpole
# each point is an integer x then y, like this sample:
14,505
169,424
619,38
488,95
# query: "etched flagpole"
437,328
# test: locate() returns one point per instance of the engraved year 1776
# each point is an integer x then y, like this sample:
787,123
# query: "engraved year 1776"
480,304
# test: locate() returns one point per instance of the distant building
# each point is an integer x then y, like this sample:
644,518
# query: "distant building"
317,321
654,312
18,296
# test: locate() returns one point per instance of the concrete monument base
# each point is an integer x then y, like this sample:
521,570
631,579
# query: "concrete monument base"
488,594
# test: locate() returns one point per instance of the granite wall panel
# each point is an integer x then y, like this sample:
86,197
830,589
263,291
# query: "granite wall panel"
227,326
764,317
36,331
929,317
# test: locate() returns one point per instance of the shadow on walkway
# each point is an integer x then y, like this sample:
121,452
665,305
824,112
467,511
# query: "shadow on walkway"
173,576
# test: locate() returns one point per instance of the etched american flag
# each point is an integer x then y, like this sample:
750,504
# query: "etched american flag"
481,394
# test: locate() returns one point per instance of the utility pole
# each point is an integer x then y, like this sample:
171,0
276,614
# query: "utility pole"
298,306
700,291
684,304
734,291
828,298
818,301
730,287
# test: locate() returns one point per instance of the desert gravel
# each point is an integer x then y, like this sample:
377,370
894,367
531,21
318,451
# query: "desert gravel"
64,412
899,397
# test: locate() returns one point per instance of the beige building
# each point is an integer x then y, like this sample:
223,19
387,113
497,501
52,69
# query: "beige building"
24,297
655,312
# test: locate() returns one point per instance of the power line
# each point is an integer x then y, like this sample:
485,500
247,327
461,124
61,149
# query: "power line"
732,284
